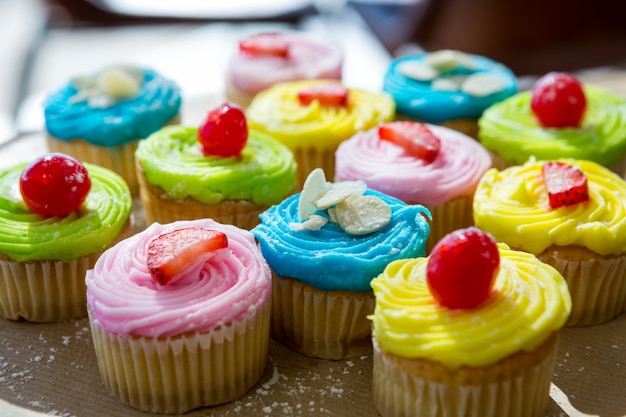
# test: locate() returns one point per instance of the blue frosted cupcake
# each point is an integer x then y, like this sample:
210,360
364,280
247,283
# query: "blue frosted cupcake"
324,246
99,118
448,87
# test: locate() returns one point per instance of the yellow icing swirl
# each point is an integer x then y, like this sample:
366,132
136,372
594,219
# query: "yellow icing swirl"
529,301
513,206
278,111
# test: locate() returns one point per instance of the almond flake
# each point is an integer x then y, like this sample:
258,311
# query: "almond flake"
417,70
483,84
315,186
314,222
447,59
363,215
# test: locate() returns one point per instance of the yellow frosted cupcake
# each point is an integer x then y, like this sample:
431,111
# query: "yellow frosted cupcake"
582,235
221,170
444,348
56,217
312,117
99,118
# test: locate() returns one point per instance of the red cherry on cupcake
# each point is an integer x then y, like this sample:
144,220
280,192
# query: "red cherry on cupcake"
558,100
174,252
54,185
224,132
327,94
270,43
462,267
416,139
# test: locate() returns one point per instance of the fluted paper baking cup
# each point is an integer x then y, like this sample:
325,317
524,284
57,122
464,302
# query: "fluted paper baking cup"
44,291
321,324
176,374
517,386
597,285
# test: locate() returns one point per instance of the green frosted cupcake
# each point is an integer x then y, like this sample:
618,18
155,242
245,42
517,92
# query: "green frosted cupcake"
189,173
43,258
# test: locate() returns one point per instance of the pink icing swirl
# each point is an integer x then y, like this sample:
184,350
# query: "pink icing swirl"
387,168
308,58
124,299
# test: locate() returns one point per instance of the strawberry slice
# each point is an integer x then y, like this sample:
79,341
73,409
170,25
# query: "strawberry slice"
172,253
269,44
566,184
328,94
416,138
462,268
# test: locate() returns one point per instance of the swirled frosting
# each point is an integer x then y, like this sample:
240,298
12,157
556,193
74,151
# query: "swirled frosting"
331,259
124,299
417,99
278,111
307,58
173,160
511,130
28,236
157,102
388,168
513,206
529,302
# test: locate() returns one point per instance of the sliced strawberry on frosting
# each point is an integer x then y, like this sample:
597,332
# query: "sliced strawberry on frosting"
416,138
172,253
327,94
566,184
272,44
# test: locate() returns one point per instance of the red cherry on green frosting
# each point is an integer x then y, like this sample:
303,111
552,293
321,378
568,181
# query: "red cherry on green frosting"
558,100
224,132
54,185
462,267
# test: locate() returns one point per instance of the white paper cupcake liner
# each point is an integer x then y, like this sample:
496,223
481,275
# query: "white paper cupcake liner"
525,393
321,324
44,291
597,286
177,374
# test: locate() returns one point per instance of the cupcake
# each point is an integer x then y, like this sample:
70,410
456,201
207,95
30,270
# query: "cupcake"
559,118
312,117
179,315
57,215
419,164
220,170
99,118
469,331
447,87
571,214
324,246
267,58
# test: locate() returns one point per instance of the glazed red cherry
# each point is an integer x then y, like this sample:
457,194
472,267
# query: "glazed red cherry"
462,267
224,132
558,100
54,185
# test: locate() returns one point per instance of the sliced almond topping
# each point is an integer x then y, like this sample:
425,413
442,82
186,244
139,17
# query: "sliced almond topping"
314,222
417,70
314,187
447,59
482,84
363,215
448,83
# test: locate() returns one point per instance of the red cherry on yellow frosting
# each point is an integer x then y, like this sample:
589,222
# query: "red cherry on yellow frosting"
224,132
462,267
558,100
54,185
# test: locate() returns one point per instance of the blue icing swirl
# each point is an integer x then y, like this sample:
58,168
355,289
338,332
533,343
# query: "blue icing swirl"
330,259
158,102
416,99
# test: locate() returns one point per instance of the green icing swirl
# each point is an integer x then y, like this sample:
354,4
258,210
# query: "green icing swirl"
28,236
172,159
511,130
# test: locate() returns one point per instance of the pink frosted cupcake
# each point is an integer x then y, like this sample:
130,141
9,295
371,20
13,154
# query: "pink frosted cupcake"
419,164
267,58
179,315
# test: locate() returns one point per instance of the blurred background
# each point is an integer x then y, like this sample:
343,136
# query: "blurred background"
44,42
